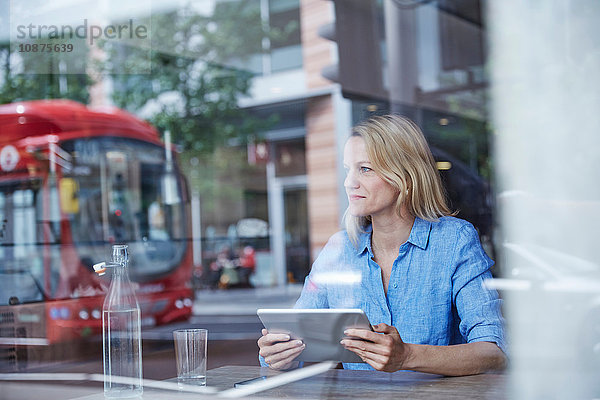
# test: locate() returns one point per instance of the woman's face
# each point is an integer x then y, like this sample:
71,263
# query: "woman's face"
368,194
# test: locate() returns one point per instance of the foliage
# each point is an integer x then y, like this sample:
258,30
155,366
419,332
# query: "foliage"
47,76
19,80
193,88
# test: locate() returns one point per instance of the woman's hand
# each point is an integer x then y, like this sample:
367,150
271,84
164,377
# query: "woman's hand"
385,352
279,351
389,353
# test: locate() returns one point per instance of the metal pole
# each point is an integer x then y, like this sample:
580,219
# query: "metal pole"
196,229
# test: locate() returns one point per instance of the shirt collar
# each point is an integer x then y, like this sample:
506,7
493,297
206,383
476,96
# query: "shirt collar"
364,240
419,236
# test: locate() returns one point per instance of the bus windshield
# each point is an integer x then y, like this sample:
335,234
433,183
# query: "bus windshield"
126,193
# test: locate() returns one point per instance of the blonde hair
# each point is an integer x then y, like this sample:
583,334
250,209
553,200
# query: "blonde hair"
400,155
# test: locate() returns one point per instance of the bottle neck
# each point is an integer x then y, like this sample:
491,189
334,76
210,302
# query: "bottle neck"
120,254
119,271
121,293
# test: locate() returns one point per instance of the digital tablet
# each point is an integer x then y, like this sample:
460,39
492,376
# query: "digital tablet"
320,329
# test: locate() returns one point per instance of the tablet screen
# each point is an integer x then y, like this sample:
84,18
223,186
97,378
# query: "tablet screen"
320,329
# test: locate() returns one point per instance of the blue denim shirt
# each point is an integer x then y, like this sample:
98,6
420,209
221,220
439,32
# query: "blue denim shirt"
435,294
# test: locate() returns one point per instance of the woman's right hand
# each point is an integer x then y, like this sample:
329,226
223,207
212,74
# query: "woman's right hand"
279,351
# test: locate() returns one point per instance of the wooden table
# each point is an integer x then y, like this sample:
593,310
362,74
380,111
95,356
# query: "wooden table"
345,384
350,384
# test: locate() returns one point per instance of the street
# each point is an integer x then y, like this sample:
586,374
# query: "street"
231,321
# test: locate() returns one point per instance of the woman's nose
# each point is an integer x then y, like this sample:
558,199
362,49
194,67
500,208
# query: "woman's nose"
350,181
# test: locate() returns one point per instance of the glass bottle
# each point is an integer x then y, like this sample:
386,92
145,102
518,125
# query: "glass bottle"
121,332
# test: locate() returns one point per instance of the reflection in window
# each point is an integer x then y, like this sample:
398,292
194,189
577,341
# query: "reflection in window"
21,271
284,22
23,217
290,158
122,201
280,48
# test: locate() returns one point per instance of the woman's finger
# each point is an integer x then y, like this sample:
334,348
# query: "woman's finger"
362,334
281,359
272,338
385,328
375,360
272,349
361,345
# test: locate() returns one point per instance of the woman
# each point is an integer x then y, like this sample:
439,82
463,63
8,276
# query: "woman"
420,270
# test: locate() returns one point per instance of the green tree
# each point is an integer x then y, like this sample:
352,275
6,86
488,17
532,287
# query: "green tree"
193,87
28,76
20,81
199,70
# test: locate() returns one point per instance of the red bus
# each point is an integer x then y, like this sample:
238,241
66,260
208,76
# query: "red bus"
74,181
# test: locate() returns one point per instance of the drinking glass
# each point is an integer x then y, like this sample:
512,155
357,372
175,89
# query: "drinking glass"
190,356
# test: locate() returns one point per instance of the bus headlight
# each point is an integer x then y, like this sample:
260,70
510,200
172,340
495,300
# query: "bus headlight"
96,314
187,302
58,313
83,314
179,303
64,313
54,313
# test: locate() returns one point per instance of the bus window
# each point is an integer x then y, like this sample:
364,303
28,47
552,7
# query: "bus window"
24,218
121,200
22,270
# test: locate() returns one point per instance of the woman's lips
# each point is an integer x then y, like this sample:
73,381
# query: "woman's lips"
355,197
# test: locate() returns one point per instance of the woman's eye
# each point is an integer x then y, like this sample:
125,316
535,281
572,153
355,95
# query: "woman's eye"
365,169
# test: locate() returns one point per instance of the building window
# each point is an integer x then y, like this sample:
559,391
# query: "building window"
284,23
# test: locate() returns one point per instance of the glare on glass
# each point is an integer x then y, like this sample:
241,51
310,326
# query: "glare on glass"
190,356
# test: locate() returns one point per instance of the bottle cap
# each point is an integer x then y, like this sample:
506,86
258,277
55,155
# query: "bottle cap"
100,268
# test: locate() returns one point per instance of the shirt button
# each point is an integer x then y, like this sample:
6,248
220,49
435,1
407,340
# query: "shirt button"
395,286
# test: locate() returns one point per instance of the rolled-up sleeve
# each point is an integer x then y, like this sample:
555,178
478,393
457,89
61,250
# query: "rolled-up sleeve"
478,307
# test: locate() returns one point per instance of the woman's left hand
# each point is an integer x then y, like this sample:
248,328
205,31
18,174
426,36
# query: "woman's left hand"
384,352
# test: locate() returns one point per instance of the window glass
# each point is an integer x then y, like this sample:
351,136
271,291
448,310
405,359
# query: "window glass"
208,136
127,195
284,22
290,157
21,270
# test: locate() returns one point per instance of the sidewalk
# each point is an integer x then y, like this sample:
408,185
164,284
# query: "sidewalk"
244,301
